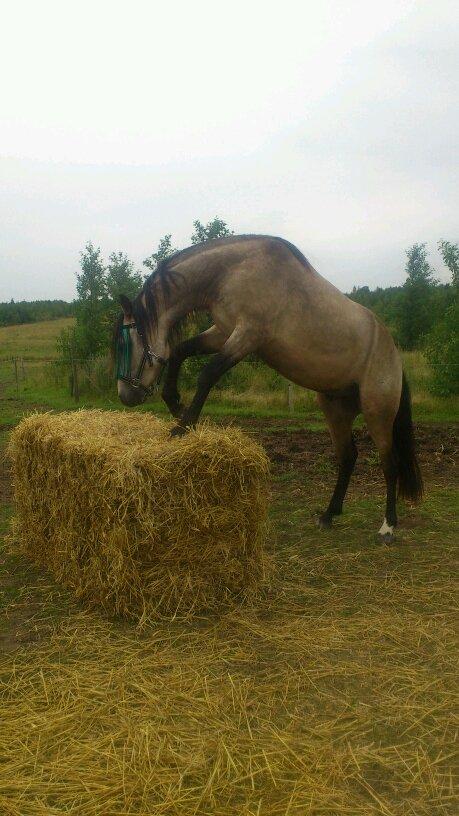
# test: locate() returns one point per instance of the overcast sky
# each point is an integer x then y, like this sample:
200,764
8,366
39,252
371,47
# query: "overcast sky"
333,124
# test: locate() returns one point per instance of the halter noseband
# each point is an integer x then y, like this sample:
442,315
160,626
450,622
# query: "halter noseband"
148,356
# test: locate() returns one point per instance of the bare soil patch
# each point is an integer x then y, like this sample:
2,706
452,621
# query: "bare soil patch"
290,448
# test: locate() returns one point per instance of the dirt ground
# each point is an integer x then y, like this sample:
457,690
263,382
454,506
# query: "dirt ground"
5,476
290,447
308,452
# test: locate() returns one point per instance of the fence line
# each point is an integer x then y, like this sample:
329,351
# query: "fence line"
82,372
77,367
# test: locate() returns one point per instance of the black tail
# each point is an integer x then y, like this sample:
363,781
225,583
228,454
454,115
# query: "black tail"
410,485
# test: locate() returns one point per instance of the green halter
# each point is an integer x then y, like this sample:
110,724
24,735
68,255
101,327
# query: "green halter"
124,360
124,354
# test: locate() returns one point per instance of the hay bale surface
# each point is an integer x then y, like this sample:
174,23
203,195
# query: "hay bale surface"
135,521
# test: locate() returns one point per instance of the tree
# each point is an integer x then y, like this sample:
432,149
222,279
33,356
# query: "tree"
120,279
450,255
165,250
214,229
415,318
442,344
91,302
442,352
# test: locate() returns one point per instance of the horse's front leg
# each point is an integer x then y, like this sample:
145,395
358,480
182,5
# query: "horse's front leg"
207,342
240,343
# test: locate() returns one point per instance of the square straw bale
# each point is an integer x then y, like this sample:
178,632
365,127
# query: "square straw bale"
135,521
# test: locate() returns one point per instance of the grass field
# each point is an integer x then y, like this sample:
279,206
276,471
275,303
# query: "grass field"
33,340
331,693
251,389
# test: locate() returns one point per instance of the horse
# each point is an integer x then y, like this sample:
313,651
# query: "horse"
266,299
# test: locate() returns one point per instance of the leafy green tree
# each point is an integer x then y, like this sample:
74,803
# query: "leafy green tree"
164,250
442,352
120,279
71,344
442,344
214,229
450,255
91,302
417,268
415,318
385,303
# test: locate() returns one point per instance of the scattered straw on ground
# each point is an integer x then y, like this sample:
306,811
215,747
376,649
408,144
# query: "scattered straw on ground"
134,521
332,694
332,697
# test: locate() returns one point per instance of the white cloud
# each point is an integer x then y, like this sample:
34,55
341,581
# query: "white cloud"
333,124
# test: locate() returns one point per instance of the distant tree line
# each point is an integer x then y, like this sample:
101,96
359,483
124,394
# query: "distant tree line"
410,310
423,313
31,311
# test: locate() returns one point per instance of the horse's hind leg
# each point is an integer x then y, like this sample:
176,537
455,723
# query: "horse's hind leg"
380,398
380,390
340,412
380,426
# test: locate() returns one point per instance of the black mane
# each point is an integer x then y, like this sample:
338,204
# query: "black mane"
164,266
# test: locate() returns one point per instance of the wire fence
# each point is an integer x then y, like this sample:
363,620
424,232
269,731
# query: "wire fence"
249,383
78,378
16,373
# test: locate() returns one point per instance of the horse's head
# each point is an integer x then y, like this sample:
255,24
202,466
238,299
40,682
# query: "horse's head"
139,352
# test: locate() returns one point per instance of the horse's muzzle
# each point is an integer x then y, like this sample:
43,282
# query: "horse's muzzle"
131,396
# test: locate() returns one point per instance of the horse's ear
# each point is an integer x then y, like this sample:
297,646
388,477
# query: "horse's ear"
126,305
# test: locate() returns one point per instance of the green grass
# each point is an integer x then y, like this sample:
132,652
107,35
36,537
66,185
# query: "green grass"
250,390
33,340
426,407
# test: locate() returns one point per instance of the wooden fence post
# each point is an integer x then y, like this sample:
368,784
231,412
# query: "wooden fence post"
290,398
16,375
74,388
71,372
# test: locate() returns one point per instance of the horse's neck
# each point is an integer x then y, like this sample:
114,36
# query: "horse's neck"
192,290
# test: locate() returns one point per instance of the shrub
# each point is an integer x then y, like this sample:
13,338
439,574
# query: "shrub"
442,352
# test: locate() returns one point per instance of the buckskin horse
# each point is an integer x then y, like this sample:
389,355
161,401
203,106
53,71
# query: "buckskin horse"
266,299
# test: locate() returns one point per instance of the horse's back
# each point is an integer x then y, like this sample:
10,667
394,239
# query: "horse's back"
302,325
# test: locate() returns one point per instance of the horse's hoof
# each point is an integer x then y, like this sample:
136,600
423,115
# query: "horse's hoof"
323,521
386,534
177,410
178,430
386,538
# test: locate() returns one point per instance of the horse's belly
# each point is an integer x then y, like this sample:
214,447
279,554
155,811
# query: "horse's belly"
313,370
323,345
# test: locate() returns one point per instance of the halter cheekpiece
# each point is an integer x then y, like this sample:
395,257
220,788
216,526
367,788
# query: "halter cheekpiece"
124,353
